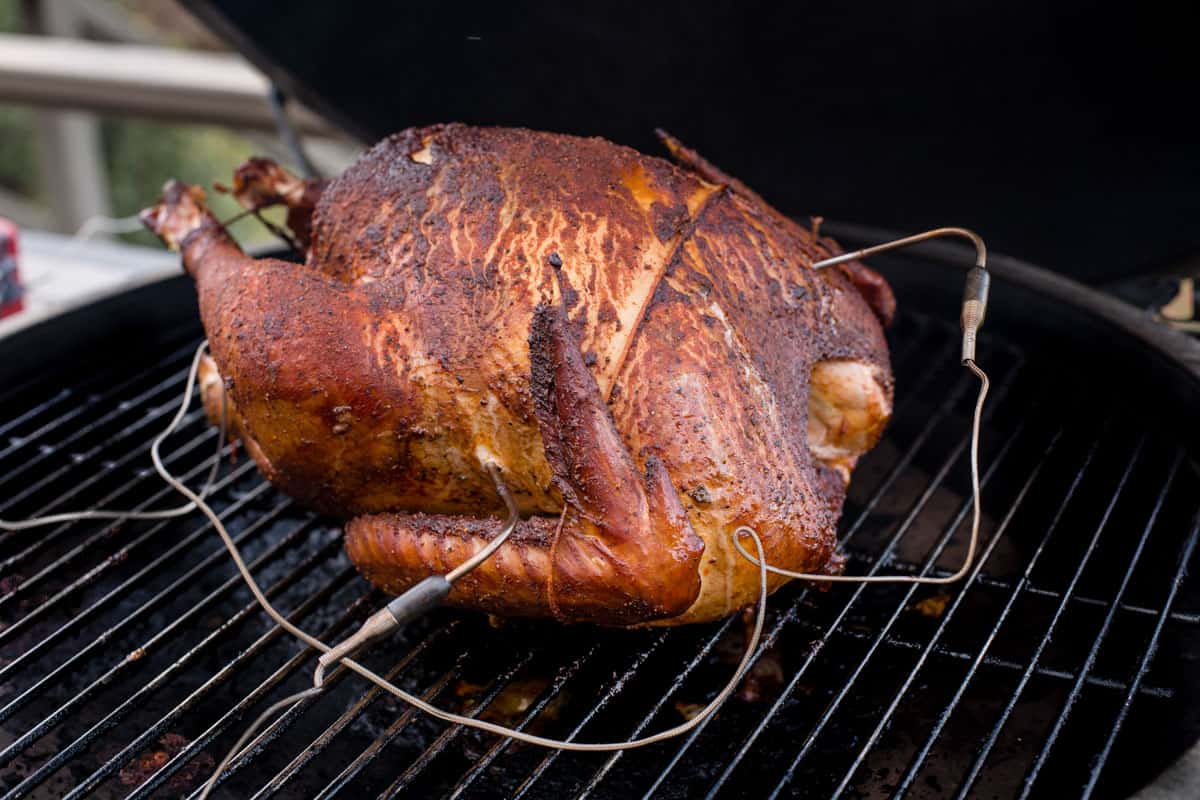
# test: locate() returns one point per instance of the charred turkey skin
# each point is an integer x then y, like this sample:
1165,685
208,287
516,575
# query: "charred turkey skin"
642,348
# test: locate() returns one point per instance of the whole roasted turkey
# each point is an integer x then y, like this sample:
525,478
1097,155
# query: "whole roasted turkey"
642,349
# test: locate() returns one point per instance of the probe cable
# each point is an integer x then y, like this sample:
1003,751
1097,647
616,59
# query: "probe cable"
167,513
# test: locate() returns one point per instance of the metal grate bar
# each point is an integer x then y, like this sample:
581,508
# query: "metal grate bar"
881,560
1182,617
615,688
221,676
935,553
355,611
100,642
103,471
62,499
986,748
444,739
60,396
945,620
1101,758
1102,634
89,545
139,446
676,684
86,404
1007,585
64,754
428,696
256,746
318,745
93,574
321,742
982,657
564,675
1010,666
146,418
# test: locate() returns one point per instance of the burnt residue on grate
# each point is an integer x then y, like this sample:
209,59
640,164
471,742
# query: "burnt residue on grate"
132,655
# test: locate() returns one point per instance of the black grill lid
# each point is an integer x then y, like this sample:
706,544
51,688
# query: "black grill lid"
1056,129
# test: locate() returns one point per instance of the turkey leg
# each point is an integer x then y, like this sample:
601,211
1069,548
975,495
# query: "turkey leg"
260,183
262,332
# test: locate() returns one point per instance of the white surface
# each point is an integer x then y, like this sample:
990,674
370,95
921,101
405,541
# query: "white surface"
60,273
136,79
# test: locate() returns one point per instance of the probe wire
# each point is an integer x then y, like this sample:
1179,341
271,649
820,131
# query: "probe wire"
166,513
975,520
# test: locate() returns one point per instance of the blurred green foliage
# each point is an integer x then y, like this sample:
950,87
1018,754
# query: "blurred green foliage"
18,158
139,155
18,152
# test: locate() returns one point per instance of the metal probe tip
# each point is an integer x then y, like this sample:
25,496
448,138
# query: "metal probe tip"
975,294
974,309
416,602
377,626
424,596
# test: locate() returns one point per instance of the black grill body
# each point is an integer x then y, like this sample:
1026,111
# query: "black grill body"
1065,666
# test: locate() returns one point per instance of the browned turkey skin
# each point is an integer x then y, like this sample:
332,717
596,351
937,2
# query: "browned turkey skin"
642,348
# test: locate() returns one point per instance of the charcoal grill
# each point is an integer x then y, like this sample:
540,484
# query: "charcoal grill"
133,656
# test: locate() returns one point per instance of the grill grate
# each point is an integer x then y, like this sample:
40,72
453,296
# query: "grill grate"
133,656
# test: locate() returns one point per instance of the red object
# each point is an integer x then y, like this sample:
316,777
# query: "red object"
11,293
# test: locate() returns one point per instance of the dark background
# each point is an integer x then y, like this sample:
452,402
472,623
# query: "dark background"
1062,131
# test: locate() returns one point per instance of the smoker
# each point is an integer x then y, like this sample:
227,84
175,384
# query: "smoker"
1063,665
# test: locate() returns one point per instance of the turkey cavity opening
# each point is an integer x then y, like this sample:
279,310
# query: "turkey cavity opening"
847,410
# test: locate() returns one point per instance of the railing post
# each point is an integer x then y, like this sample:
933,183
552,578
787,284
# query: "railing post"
72,166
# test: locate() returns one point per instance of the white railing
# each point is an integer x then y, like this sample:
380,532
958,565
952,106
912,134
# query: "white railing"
70,79
140,80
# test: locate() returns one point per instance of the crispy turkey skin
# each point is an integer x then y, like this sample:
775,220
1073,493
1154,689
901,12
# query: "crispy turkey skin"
642,348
